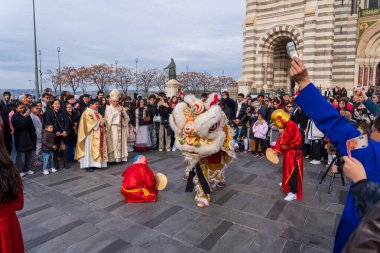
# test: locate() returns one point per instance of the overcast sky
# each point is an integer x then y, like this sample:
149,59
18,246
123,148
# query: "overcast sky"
205,35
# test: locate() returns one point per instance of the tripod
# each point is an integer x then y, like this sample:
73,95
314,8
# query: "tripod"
338,161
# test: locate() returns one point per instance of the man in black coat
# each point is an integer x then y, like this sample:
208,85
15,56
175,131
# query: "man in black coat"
240,110
25,139
229,105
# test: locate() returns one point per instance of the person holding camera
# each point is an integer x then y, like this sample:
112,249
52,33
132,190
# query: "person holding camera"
164,111
339,131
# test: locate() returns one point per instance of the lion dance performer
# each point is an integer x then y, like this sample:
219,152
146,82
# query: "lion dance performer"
206,141
289,144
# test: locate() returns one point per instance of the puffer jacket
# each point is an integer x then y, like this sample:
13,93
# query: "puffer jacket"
260,130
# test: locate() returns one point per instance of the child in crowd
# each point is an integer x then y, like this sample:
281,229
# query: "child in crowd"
240,138
259,130
35,111
48,148
25,139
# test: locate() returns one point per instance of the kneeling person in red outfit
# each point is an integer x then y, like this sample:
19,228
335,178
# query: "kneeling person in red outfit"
289,144
11,200
139,183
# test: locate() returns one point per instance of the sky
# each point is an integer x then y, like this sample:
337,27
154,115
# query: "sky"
205,35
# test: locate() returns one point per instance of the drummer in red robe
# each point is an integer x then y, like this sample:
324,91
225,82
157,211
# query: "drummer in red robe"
289,144
139,183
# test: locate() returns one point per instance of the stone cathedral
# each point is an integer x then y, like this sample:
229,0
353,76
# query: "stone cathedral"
339,41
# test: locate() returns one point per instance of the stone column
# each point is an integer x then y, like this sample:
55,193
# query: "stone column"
245,85
171,88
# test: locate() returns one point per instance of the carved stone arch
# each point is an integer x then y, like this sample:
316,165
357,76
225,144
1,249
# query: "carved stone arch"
280,31
369,42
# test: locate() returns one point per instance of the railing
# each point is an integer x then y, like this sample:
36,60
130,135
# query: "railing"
369,12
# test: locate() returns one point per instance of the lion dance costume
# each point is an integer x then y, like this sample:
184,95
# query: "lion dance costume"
206,141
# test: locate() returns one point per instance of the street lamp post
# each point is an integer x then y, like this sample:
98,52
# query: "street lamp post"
59,70
137,88
35,55
39,52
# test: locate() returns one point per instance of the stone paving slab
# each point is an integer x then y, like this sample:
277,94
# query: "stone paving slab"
76,211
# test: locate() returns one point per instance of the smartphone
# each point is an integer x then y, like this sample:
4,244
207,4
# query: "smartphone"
357,143
291,49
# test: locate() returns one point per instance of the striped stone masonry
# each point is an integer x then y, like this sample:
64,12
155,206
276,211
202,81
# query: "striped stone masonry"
324,32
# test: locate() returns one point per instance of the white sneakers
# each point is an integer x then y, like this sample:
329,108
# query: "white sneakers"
168,150
46,172
280,184
160,150
290,197
174,149
315,162
29,172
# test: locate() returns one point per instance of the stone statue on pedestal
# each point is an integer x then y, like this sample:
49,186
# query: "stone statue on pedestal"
172,70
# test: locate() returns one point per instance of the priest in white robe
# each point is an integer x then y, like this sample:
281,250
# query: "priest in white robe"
117,129
91,149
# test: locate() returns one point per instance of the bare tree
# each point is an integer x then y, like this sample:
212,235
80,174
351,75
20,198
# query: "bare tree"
205,81
160,79
224,82
84,78
52,77
124,78
102,76
146,79
69,78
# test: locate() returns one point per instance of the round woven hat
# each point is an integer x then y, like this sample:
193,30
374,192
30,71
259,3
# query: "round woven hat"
271,156
161,181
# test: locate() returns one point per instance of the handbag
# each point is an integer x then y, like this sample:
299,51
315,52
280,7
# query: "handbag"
146,119
157,118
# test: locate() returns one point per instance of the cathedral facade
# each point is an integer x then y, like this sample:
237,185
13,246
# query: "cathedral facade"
338,41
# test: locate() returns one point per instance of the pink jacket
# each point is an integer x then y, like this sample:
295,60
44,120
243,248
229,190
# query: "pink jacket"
260,131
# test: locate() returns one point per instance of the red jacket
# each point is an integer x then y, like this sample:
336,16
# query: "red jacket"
10,232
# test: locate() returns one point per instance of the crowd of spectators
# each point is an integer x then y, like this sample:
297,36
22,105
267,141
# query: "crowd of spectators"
24,120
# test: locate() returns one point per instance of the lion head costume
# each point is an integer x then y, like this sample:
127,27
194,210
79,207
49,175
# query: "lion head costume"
204,138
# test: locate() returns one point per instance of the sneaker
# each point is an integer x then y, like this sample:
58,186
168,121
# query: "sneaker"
290,197
174,149
45,172
160,150
261,155
280,184
22,174
315,162
30,172
307,156
168,149
255,154
53,170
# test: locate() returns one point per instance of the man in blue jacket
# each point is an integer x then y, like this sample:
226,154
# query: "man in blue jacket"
338,130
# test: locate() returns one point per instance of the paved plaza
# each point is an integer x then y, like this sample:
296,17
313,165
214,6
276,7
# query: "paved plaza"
75,211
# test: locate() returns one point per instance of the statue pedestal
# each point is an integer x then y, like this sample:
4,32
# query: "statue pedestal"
245,85
172,88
